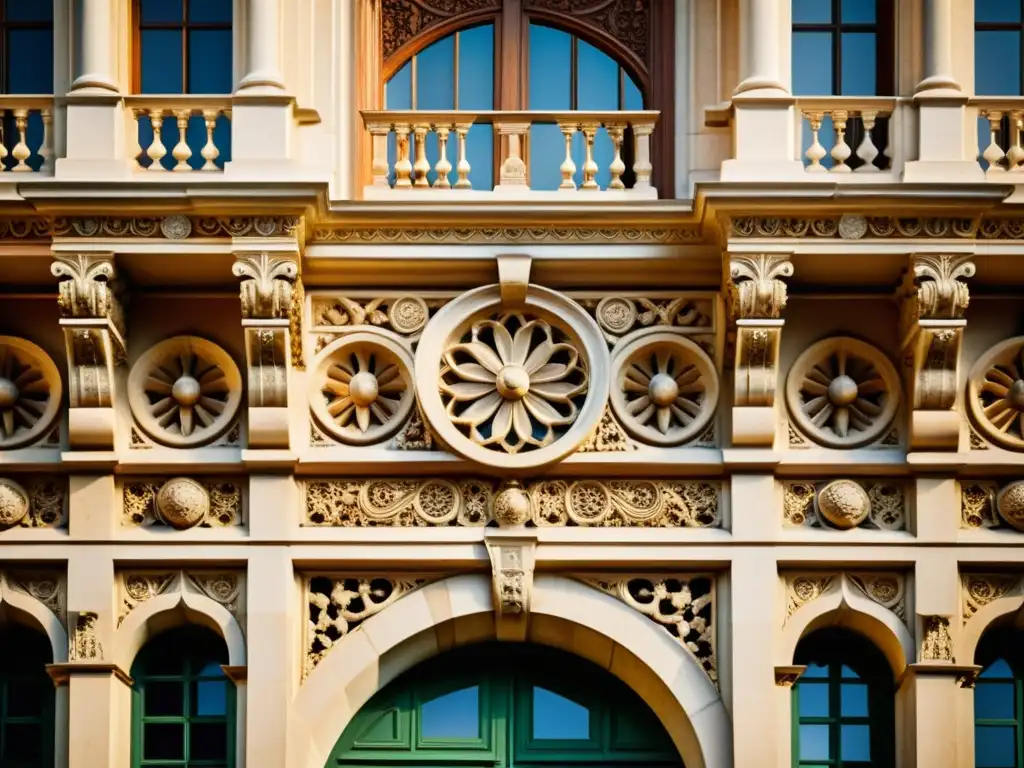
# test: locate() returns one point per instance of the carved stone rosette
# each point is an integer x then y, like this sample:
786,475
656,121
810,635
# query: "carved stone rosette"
995,394
758,296
30,393
935,300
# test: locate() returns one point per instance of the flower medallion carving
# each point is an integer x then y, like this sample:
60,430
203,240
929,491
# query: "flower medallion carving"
843,393
665,389
845,504
363,388
33,502
996,394
30,393
514,390
185,392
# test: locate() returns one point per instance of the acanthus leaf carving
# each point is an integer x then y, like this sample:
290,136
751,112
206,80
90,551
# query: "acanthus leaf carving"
939,291
758,290
88,288
266,288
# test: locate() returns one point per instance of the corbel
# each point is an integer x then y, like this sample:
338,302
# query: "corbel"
935,298
512,549
514,277
758,296
92,319
266,292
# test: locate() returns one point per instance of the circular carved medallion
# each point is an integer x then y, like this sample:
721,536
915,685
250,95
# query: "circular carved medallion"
182,502
843,504
14,503
996,394
1010,503
30,393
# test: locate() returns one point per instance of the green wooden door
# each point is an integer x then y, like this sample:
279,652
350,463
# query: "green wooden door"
507,706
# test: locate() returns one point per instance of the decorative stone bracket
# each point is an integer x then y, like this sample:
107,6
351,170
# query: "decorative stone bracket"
94,335
758,296
934,303
513,554
266,294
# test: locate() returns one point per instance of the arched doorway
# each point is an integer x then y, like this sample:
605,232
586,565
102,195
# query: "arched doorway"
26,698
509,706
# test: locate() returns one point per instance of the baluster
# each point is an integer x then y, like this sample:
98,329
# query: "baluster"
422,166
157,149
993,153
642,153
462,166
589,164
3,143
209,152
617,167
182,151
815,153
1015,154
889,144
46,148
841,151
403,167
568,167
444,166
866,150
137,145
21,152
379,143
513,169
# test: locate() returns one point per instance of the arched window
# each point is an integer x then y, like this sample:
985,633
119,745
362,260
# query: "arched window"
183,706
843,707
502,705
998,702
26,699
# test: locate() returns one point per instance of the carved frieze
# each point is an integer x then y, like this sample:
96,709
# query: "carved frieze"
889,590
828,226
844,504
174,227
979,589
48,587
182,503
33,501
225,587
520,235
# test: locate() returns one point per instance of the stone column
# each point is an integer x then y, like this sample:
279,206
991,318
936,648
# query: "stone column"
761,46
263,47
938,47
96,58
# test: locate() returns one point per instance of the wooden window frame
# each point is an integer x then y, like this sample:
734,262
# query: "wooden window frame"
885,44
1004,645
1006,26
5,48
186,26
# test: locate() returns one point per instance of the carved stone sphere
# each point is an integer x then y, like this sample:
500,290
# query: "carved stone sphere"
511,505
14,503
1010,503
843,504
8,393
182,502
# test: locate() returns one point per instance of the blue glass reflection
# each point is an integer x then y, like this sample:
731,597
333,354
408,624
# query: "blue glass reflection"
995,746
812,699
207,11
814,742
455,715
998,668
853,700
859,62
28,10
162,11
812,11
812,64
209,61
210,698
858,11
997,65
160,61
994,701
632,97
550,68
556,717
476,68
996,10
597,85
30,61
435,75
855,743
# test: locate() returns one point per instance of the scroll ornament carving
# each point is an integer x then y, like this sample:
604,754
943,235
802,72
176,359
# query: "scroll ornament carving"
504,235
886,589
845,504
441,502
38,502
48,587
405,314
266,288
512,561
801,590
996,394
979,589
267,359
757,352
621,314
183,503
403,20
229,226
136,588
30,393
877,226
683,604
607,437
941,292
85,645
978,504
938,642
759,291
87,288
337,606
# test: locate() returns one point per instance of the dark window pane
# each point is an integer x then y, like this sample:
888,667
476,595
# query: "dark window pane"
476,68
597,85
29,10
996,10
859,64
210,697
812,11
162,11
997,63
455,715
163,741
556,717
435,75
398,91
993,700
162,698
812,699
22,741
995,747
633,98
209,10
999,667
855,743
208,741
858,11
161,61
814,742
25,698
209,61
30,60
853,700
812,63
550,68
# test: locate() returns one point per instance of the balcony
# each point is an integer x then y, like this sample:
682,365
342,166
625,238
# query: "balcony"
197,128
840,135
592,155
26,134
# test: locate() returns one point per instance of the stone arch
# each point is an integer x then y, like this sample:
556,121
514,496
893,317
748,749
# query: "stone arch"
1008,607
844,605
29,611
175,609
564,613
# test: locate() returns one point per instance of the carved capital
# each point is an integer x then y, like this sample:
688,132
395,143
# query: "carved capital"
266,289
938,290
757,290
88,288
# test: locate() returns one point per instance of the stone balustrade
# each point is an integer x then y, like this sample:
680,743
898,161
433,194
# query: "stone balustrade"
180,133
26,136
1000,122
420,152
841,135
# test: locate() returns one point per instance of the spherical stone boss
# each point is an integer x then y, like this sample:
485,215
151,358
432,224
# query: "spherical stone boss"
14,503
513,382
844,504
186,390
663,390
1016,394
8,393
842,391
512,505
1010,504
363,389
182,502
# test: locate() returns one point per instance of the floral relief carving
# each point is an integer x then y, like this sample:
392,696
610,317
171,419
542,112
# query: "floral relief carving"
683,604
404,314
608,437
416,436
33,502
136,587
338,605
996,394
266,287
938,642
48,587
845,504
30,393
806,588
620,314
828,226
87,288
977,504
228,226
979,589
941,292
886,589
757,288
519,235
182,503
403,20
441,502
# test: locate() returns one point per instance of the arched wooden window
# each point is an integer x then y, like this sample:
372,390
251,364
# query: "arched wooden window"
545,55
183,706
843,703
26,699
999,701
502,705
